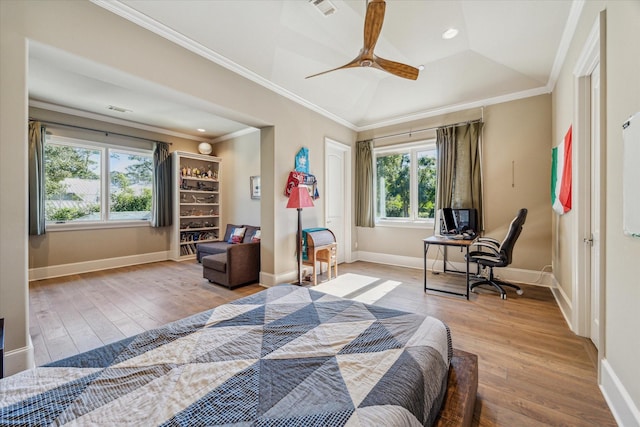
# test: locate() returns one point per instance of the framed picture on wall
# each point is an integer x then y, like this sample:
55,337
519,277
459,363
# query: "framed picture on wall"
254,182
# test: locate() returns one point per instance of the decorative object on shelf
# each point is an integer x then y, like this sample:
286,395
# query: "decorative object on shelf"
299,199
254,182
205,148
197,203
302,160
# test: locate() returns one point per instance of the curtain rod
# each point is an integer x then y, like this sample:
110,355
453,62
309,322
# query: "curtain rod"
106,132
411,132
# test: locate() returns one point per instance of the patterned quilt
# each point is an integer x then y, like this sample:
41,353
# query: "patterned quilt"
286,356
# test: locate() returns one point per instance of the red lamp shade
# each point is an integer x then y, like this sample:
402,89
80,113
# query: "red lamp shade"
299,198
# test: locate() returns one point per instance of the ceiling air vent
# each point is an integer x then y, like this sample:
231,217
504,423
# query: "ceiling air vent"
118,109
325,7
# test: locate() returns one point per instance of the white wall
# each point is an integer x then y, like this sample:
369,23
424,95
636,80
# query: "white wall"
240,160
622,284
516,133
619,372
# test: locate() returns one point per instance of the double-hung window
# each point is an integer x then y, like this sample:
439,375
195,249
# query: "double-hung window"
92,183
405,182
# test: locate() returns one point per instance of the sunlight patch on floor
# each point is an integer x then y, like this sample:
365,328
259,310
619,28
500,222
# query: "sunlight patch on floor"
378,292
358,287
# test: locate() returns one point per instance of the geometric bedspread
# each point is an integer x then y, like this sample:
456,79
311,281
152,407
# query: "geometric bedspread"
286,356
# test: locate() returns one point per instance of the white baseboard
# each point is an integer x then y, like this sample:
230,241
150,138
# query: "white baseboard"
622,407
19,360
268,279
529,277
564,302
95,265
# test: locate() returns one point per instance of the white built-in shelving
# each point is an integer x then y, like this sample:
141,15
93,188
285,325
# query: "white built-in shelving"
196,204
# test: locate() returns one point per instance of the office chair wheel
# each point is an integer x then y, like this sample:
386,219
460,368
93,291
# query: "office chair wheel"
503,296
519,292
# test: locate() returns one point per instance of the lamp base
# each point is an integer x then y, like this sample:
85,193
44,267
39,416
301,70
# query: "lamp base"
301,283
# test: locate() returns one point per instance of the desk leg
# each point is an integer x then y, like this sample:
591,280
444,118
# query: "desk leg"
426,248
467,258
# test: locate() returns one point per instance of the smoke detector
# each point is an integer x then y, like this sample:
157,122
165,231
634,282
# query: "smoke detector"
325,7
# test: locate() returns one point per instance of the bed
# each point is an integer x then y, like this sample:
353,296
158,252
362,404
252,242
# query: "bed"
286,356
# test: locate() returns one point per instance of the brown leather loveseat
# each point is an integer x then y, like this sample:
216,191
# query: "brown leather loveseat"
232,264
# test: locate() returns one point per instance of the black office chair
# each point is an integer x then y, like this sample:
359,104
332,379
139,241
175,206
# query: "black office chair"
493,253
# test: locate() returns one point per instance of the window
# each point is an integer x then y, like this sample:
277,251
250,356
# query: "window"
77,189
406,182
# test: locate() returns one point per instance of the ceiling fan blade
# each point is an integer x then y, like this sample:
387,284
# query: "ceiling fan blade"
396,68
352,64
373,25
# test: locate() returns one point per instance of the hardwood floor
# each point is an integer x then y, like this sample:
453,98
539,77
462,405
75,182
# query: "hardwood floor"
532,369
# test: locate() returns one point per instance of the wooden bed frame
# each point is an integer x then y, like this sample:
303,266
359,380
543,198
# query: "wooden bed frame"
462,387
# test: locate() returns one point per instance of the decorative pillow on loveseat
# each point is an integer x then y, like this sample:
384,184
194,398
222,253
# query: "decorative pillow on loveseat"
251,231
256,236
228,231
237,235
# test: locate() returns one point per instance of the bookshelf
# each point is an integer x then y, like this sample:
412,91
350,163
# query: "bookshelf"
196,202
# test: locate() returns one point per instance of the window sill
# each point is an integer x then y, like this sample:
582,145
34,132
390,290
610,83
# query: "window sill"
74,226
427,224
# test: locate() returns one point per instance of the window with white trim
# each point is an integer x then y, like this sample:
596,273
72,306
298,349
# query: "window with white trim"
89,182
405,182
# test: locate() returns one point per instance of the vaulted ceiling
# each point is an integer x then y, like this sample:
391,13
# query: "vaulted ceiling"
503,50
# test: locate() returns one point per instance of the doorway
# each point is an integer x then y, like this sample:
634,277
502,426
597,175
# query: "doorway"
338,198
595,202
589,195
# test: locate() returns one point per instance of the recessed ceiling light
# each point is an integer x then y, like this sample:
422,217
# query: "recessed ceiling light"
420,67
450,33
201,130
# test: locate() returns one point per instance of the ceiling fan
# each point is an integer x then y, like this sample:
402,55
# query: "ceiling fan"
366,58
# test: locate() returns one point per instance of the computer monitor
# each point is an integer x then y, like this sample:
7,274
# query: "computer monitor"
449,221
466,219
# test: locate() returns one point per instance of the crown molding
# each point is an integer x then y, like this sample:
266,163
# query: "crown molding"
162,30
236,134
458,107
565,42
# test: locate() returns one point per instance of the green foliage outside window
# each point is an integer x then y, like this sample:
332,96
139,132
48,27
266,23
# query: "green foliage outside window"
126,201
427,181
393,184
69,214
81,166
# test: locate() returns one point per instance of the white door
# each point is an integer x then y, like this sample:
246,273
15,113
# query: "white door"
595,209
338,193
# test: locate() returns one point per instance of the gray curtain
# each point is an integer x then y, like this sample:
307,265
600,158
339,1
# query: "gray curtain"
37,135
364,184
445,166
161,212
460,168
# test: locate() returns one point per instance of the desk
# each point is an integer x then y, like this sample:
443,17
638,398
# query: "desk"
444,241
320,246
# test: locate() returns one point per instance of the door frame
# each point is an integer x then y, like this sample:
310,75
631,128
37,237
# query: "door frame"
581,156
346,149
